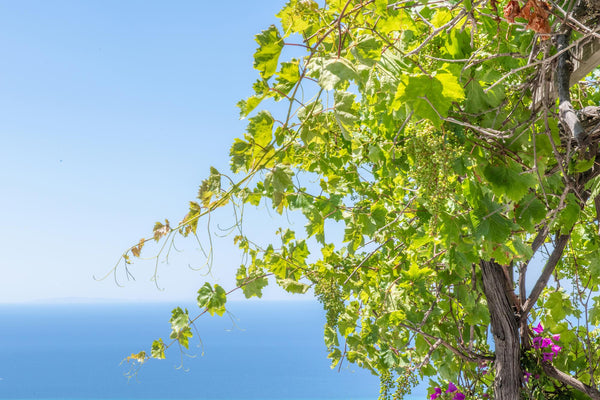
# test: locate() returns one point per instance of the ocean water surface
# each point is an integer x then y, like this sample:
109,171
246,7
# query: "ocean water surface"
266,350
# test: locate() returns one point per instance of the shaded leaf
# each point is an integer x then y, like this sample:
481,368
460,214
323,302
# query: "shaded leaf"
509,181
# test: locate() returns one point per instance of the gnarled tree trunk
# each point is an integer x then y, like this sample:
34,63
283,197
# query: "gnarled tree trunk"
505,329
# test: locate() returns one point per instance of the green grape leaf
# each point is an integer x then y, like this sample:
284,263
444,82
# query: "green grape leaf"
509,181
529,212
344,112
333,73
367,50
213,298
180,327
287,77
583,165
260,129
158,349
251,284
266,56
426,97
595,311
331,337
210,187
569,215
292,286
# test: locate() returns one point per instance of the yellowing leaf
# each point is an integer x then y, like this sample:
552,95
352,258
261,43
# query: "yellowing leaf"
402,21
161,230
136,250
452,89
140,357
441,17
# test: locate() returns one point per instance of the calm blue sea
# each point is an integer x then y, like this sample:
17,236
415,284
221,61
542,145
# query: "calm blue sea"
270,351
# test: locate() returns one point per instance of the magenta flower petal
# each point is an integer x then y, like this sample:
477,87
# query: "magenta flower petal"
556,349
556,338
459,396
437,393
547,356
546,342
451,388
537,342
538,329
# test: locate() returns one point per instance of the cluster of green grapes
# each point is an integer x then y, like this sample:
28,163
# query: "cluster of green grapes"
329,295
403,384
386,385
432,156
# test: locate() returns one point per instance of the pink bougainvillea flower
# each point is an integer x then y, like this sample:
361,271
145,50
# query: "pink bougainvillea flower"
556,338
546,342
538,329
547,356
527,375
556,349
437,392
537,342
451,388
459,396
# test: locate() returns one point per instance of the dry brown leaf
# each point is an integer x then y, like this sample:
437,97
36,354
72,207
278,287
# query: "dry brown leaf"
512,10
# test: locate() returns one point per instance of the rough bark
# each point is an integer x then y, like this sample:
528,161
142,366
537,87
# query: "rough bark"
564,68
505,329
560,376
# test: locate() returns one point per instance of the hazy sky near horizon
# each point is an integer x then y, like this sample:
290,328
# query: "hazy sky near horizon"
111,113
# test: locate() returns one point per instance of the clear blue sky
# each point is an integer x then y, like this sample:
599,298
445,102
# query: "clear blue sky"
111,113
